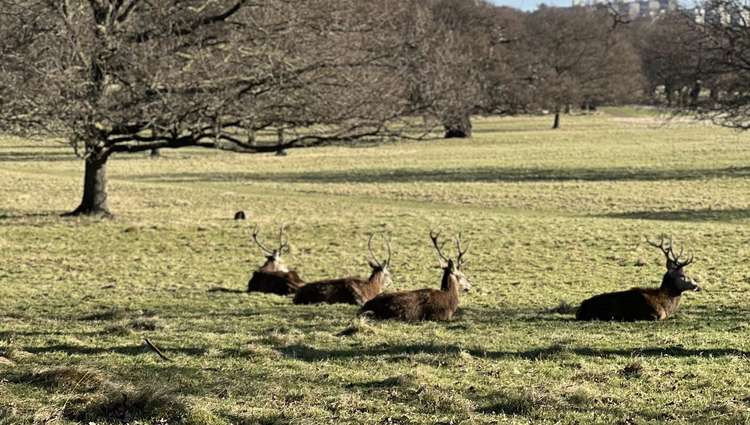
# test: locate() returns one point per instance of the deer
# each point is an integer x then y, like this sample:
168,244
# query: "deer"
644,303
350,290
274,276
425,304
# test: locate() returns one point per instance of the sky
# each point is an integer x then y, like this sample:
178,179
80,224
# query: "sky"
531,4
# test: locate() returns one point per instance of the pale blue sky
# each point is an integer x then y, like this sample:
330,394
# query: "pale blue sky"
531,4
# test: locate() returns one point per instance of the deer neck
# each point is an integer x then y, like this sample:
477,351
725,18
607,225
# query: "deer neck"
273,266
669,289
450,284
376,278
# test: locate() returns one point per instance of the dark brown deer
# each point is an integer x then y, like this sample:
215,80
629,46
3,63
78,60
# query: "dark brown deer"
349,290
644,303
274,276
425,304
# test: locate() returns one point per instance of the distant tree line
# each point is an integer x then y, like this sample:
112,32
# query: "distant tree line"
126,76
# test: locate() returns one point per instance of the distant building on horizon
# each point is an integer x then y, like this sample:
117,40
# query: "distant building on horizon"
720,14
634,8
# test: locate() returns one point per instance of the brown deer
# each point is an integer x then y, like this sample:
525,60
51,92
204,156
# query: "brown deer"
425,304
644,303
274,276
349,290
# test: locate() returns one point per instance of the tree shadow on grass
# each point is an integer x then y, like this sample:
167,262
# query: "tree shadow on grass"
311,354
44,156
40,156
727,215
128,350
41,146
481,174
14,215
11,334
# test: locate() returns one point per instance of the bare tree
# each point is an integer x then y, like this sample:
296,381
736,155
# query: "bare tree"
448,55
722,34
575,55
506,89
671,57
123,76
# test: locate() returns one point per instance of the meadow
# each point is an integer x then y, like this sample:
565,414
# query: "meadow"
551,217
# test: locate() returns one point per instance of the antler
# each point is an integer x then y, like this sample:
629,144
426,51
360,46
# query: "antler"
265,250
388,249
668,250
282,243
676,258
460,259
372,255
434,236
387,261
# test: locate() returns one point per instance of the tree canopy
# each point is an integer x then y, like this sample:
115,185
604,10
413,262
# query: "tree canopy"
130,75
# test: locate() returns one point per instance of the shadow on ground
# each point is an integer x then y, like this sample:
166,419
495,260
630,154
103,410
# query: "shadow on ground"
311,354
45,156
129,350
12,215
37,156
486,174
684,215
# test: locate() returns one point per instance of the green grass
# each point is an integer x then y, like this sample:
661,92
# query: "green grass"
552,217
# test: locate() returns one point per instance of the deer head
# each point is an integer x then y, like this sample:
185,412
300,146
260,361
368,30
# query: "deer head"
273,256
675,280
452,270
380,267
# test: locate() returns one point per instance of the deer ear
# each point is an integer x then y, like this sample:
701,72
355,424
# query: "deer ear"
372,264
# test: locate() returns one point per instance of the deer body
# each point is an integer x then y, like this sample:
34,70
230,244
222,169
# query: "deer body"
349,290
631,305
424,304
643,303
421,304
274,277
278,282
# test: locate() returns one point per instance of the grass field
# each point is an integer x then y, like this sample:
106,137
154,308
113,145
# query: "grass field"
551,217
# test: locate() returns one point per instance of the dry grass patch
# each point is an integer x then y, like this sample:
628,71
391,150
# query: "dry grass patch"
123,404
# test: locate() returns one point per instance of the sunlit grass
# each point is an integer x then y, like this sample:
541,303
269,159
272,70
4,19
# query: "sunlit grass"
552,217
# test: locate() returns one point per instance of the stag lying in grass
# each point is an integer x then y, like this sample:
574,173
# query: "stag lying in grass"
274,276
425,304
644,303
349,290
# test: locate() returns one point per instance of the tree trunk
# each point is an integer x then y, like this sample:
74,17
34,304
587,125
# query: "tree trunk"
155,153
668,93
684,96
556,124
714,95
458,128
94,200
695,93
280,133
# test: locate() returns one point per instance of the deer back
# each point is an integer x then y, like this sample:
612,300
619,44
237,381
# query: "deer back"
330,291
281,283
630,305
421,304
349,290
